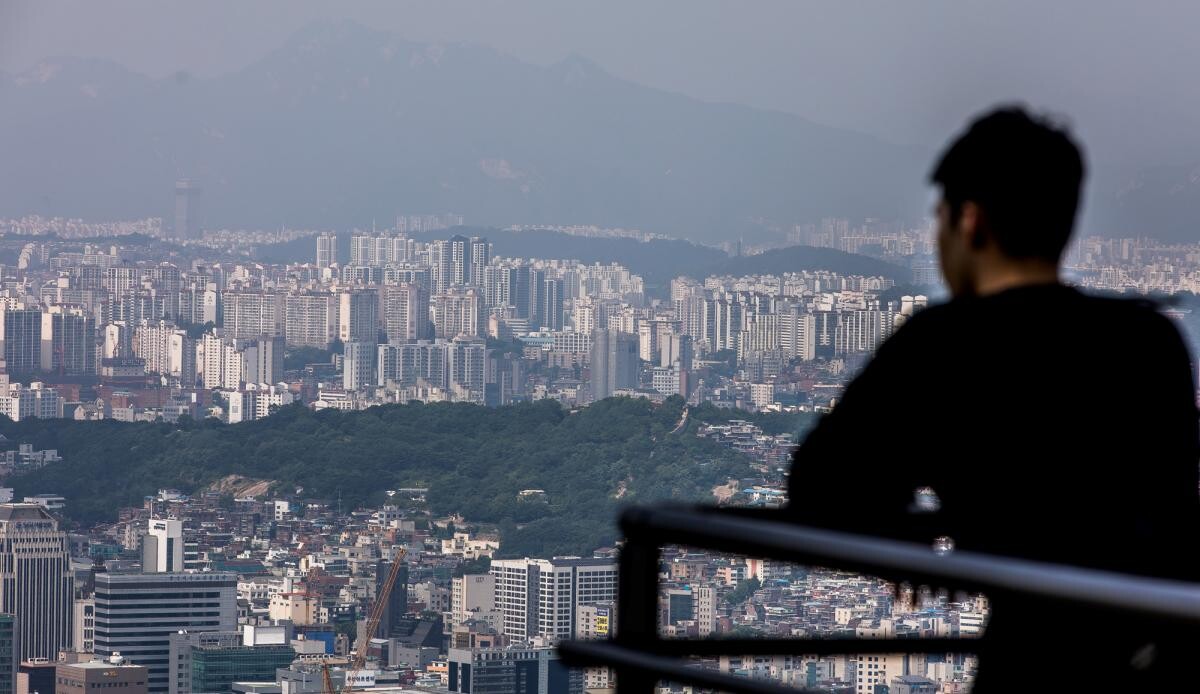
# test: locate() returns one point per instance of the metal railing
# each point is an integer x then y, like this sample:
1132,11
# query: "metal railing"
641,658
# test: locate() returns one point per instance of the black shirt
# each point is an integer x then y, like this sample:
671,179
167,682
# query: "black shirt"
1052,425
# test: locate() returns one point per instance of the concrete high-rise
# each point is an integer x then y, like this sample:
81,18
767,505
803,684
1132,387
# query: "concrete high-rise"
358,316
251,314
614,362
458,312
8,654
358,366
36,584
472,596
21,339
539,597
310,320
137,613
166,350
406,313
162,547
326,249
397,604
262,360
187,226
68,341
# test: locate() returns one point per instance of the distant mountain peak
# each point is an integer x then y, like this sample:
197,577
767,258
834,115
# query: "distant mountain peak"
344,123
576,69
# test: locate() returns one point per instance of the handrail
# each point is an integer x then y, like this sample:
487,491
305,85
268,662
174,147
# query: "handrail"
641,657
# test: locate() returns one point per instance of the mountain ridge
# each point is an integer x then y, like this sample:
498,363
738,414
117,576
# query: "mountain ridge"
343,123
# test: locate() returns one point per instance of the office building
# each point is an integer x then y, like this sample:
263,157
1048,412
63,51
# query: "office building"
84,625
114,674
473,596
162,546
36,583
8,655
397,605
209,662
187,225
511,671
137,613
539,597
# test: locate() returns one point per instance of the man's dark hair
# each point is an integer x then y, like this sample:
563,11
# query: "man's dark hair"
1024,172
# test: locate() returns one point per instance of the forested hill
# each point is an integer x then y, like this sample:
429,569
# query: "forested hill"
474,460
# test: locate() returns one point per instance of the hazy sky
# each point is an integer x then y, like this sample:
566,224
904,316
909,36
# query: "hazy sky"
1125,72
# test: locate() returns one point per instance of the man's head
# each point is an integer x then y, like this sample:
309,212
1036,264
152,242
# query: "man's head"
1010,189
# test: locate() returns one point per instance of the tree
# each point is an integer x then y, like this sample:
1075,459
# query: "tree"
743,591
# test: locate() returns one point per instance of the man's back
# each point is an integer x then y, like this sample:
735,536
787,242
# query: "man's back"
1051,424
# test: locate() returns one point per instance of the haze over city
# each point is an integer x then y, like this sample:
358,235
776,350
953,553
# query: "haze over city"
548,347
907,75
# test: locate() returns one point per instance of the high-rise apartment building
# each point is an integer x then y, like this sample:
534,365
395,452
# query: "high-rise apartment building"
218,362
358,316
466,365
457,366
249,314
326,249
458,312
539,597
459,261
358,365
166,350
310,320
21,339
262,360
36,583
137,613
68,341
374,250
406,313
614,362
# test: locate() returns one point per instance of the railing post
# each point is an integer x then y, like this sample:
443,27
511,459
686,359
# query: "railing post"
637,605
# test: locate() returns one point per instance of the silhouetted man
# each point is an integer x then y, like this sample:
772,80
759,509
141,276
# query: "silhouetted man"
1051,424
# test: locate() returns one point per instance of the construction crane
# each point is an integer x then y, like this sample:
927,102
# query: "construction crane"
364,638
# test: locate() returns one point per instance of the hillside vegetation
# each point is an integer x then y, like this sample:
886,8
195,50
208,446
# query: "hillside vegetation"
474,461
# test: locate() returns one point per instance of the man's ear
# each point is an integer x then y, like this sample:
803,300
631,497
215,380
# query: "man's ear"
970,224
